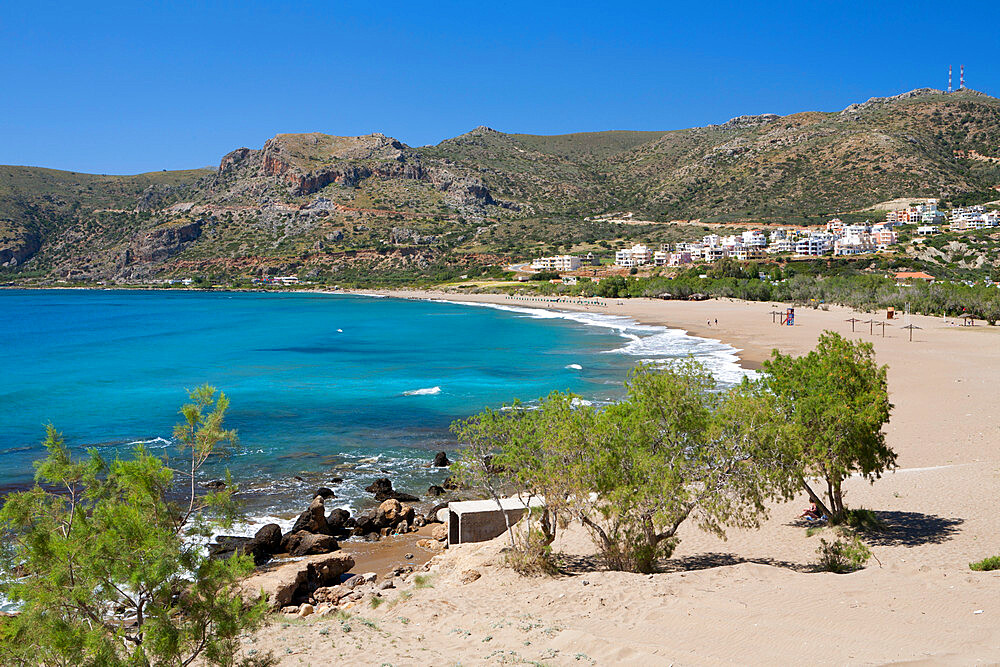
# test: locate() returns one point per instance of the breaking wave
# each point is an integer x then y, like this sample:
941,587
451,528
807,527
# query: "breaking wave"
427,391
650,343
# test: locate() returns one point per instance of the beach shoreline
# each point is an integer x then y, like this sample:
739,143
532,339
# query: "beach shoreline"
756,596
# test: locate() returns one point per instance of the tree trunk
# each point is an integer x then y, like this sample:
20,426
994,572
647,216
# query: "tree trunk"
548,526
814,498
838,500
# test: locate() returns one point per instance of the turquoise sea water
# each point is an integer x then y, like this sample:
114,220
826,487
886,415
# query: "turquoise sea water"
321,385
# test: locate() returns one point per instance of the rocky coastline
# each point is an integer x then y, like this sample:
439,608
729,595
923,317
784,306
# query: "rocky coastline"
309,566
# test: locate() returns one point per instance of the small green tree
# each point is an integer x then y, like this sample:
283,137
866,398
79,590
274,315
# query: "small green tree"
834,402
528,452
110,572
484,435
633,472
677,449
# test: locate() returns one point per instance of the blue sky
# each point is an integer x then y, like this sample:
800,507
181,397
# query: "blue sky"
111,87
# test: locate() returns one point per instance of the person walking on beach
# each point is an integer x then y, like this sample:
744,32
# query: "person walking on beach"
709,323
716,321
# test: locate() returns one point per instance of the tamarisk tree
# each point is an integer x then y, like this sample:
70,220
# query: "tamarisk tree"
677,449
108,572
833,403
674,449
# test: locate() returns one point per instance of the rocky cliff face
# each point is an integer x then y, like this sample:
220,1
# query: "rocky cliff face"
161,243
306,164
19,247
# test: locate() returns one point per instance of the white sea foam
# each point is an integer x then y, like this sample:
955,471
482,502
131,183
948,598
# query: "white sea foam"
158,441
6,605
427,391
575,367
340,331
580,401
652,344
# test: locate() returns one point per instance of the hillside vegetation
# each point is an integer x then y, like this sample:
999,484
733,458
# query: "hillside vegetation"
343,207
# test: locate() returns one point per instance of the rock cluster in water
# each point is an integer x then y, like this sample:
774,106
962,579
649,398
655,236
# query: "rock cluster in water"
317,532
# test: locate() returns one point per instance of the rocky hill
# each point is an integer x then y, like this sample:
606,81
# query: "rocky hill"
352,206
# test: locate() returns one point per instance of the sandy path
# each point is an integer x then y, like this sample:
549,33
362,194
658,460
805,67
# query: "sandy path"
752,599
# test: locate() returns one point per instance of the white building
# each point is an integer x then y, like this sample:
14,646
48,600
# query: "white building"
637,255
754,238
814,245
679,258
781,245
557,263
852,244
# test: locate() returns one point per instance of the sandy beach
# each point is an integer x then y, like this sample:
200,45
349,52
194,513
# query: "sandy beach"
754,598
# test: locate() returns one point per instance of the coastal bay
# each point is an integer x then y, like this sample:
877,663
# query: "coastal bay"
753,598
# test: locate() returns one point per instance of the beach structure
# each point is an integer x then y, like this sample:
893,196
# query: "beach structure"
911,327
482,520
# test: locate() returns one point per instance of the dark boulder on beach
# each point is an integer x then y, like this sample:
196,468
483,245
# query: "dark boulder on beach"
382,488
291,540
324,493
382,485
227,546
310,544
441,460
215,484
337,520
364,525
435,490
269,538
313,520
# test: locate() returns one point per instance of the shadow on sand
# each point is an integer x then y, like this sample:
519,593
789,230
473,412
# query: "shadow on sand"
912,529
908,529
575,564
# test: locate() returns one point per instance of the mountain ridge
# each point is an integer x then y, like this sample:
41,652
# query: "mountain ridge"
303,199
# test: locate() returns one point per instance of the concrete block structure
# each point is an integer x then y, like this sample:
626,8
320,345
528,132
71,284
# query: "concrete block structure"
482,520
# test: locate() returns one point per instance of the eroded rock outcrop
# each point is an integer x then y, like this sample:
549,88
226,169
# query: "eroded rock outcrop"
283,582
162,242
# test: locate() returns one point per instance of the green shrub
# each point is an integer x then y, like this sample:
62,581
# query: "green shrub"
532,556
843,555
986,564
863,519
